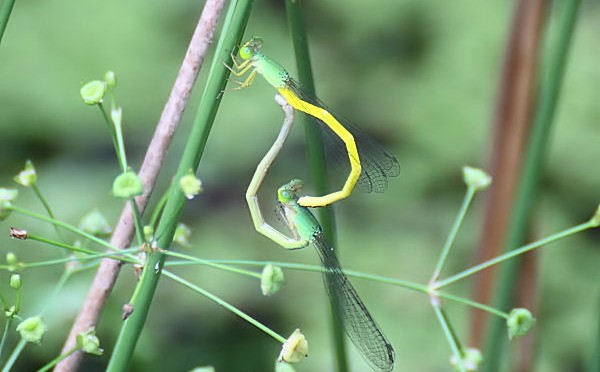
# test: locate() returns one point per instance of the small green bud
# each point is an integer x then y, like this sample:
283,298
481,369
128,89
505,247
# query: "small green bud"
27,176
190,185
88,342
93,92
94,223
10,312
471,360
11,259
182,234
477,178
271,280
110,78
32,329
7,196
15,281
127,185
519,322
294,349
596,218
148,233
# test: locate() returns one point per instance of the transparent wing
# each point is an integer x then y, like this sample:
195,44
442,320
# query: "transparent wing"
358,322
378,164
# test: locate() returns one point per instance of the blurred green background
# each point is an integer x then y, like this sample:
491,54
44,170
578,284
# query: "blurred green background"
420,76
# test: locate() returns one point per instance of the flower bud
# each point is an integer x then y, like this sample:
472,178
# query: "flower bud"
476,178
95,224
15,281
127,185
88,342
32,329
110,78
27,176
190,185
7,196
295,348
271,280
93,92
148,233
519,322
182,234
471,360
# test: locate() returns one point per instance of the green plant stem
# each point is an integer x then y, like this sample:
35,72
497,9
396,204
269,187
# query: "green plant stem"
68,247
514,253
115,256
13,357
5,11
351,273
64,225
113,136
38,193
214,264
316,157
7,327
453,232
450,334
555,57
118,130
234,25
55,361
137,220
226,305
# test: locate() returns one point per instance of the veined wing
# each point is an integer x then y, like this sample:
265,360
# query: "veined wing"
378,164
358,322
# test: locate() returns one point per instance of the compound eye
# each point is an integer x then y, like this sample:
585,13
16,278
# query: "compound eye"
246,52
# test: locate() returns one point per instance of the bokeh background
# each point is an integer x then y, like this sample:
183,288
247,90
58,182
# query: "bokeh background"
420,76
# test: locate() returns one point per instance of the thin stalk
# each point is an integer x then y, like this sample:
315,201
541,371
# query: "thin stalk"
214,264
450,335
113,136
226,305
560,235
39,195
114,255
316,156
13,357
7,328
555,58
62,224
232,31
56,360
453,232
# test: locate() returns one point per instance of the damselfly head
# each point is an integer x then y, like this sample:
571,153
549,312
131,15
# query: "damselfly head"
250,47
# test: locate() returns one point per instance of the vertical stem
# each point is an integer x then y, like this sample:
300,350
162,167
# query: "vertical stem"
157,150
316,155
553,72
233,28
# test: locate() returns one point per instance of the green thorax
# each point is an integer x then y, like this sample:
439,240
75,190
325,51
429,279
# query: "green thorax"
272,71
